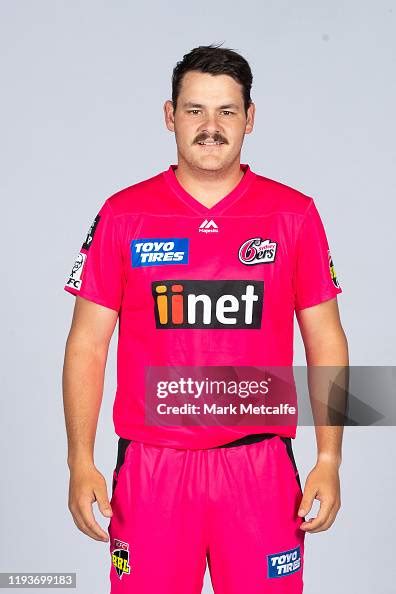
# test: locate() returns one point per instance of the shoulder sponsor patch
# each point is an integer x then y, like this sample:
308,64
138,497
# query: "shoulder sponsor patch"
91,232
332,271
257,251
75,275
284,563
159,251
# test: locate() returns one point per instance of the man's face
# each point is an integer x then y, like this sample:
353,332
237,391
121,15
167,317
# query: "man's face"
209,108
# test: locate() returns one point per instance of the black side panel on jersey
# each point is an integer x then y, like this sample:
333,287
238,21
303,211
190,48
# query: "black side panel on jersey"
122,447
246,439
287,441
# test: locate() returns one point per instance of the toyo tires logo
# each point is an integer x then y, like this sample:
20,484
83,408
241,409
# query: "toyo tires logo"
284,563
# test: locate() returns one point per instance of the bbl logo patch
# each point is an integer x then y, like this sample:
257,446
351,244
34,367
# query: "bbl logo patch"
332,271
158,252
257,251
225,304
90,234
284,563
120,557
75,275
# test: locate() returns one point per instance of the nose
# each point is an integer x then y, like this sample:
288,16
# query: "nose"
210,124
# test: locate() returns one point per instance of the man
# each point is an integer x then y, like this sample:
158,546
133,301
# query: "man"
204,265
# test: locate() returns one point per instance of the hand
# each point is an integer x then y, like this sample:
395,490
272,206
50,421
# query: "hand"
322,483
87,485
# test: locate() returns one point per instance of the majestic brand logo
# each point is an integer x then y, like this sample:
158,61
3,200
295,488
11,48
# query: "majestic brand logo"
120,557
158,251
284,563
208,227
226,304
257,251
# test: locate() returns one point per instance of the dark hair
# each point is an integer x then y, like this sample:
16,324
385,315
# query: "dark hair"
214,60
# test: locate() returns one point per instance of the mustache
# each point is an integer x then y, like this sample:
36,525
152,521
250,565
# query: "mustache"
215,138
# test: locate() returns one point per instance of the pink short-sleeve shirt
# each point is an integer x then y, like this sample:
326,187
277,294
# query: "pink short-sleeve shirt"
202,286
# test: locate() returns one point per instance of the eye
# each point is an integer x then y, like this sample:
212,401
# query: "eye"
226,111
193,110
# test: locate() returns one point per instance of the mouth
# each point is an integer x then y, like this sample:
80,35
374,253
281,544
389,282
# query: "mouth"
210,144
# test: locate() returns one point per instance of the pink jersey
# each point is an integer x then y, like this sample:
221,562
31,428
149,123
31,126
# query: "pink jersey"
198,286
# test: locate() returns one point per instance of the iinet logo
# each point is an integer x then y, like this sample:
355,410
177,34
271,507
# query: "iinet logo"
225,304
208,227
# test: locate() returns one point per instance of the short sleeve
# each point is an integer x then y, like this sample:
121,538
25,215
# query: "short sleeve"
97,273
315,278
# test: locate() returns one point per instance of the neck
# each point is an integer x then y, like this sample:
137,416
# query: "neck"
208,186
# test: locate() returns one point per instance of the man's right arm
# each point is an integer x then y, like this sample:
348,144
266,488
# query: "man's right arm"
83,378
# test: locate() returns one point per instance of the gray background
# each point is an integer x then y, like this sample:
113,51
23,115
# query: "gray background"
83,84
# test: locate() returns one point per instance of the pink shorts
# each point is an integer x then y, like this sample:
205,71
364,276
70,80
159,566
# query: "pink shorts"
235,508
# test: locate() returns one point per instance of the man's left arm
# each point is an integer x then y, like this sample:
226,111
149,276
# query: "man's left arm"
325,347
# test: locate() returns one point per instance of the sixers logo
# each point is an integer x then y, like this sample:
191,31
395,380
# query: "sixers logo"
257,251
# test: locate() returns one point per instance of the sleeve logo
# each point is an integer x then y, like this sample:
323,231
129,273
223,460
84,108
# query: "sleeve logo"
332,271
284,563
75,275
90,235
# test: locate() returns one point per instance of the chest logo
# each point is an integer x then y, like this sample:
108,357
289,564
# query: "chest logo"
225,304
208,227
158,251
257,251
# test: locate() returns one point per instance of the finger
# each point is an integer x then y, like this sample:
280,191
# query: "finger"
88,529
103,502
89,521
322,517
79,522
306,501
330,521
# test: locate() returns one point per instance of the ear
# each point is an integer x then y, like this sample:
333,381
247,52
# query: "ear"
169,115
250,118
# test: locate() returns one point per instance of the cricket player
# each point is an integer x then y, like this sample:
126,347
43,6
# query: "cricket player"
202,268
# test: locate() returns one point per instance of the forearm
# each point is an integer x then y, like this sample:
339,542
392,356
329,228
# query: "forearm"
328,378
329,444
83,379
